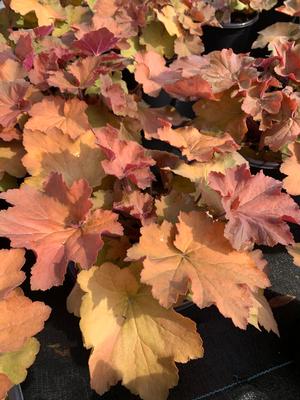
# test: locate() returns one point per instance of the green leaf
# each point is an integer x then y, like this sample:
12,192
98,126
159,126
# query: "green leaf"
74,15
14,364
130,53
155,37
8,182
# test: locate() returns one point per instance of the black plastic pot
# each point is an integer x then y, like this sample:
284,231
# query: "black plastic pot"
270,168
15,393
236,35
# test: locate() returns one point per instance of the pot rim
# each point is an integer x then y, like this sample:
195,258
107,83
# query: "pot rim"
240,25
15,393
263,164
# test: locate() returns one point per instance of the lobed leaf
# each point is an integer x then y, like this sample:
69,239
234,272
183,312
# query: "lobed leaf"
194,256
141,340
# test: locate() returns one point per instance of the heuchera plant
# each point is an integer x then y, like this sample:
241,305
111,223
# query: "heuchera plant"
154,209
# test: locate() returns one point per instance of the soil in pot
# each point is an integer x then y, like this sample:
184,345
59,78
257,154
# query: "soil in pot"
265,160
185,108
239,34
260,158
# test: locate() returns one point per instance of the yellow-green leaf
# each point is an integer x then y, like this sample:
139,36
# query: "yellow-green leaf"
14,364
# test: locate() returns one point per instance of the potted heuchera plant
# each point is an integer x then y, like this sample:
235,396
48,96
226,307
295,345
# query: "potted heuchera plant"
147,228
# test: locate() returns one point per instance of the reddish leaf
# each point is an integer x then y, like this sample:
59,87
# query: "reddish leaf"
190,89
290,7
12,101
196,145
117,99
152,119
256,208
97,42
258,101
135,203
25,51
84,72
58,225
225,69
286,125
125,159
152,73
289,56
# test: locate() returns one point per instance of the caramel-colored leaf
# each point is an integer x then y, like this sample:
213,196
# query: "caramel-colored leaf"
46,11
261,314
141,339
55,112
54,151
194,255
224,115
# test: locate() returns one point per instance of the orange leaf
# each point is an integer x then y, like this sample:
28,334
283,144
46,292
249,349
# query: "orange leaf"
11,275
291,168
125,158
20,319
55,112
196,145
57,152
13,101
58,225
194,255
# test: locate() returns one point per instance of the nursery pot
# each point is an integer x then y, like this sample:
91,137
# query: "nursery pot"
269,168
236,35
15,393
